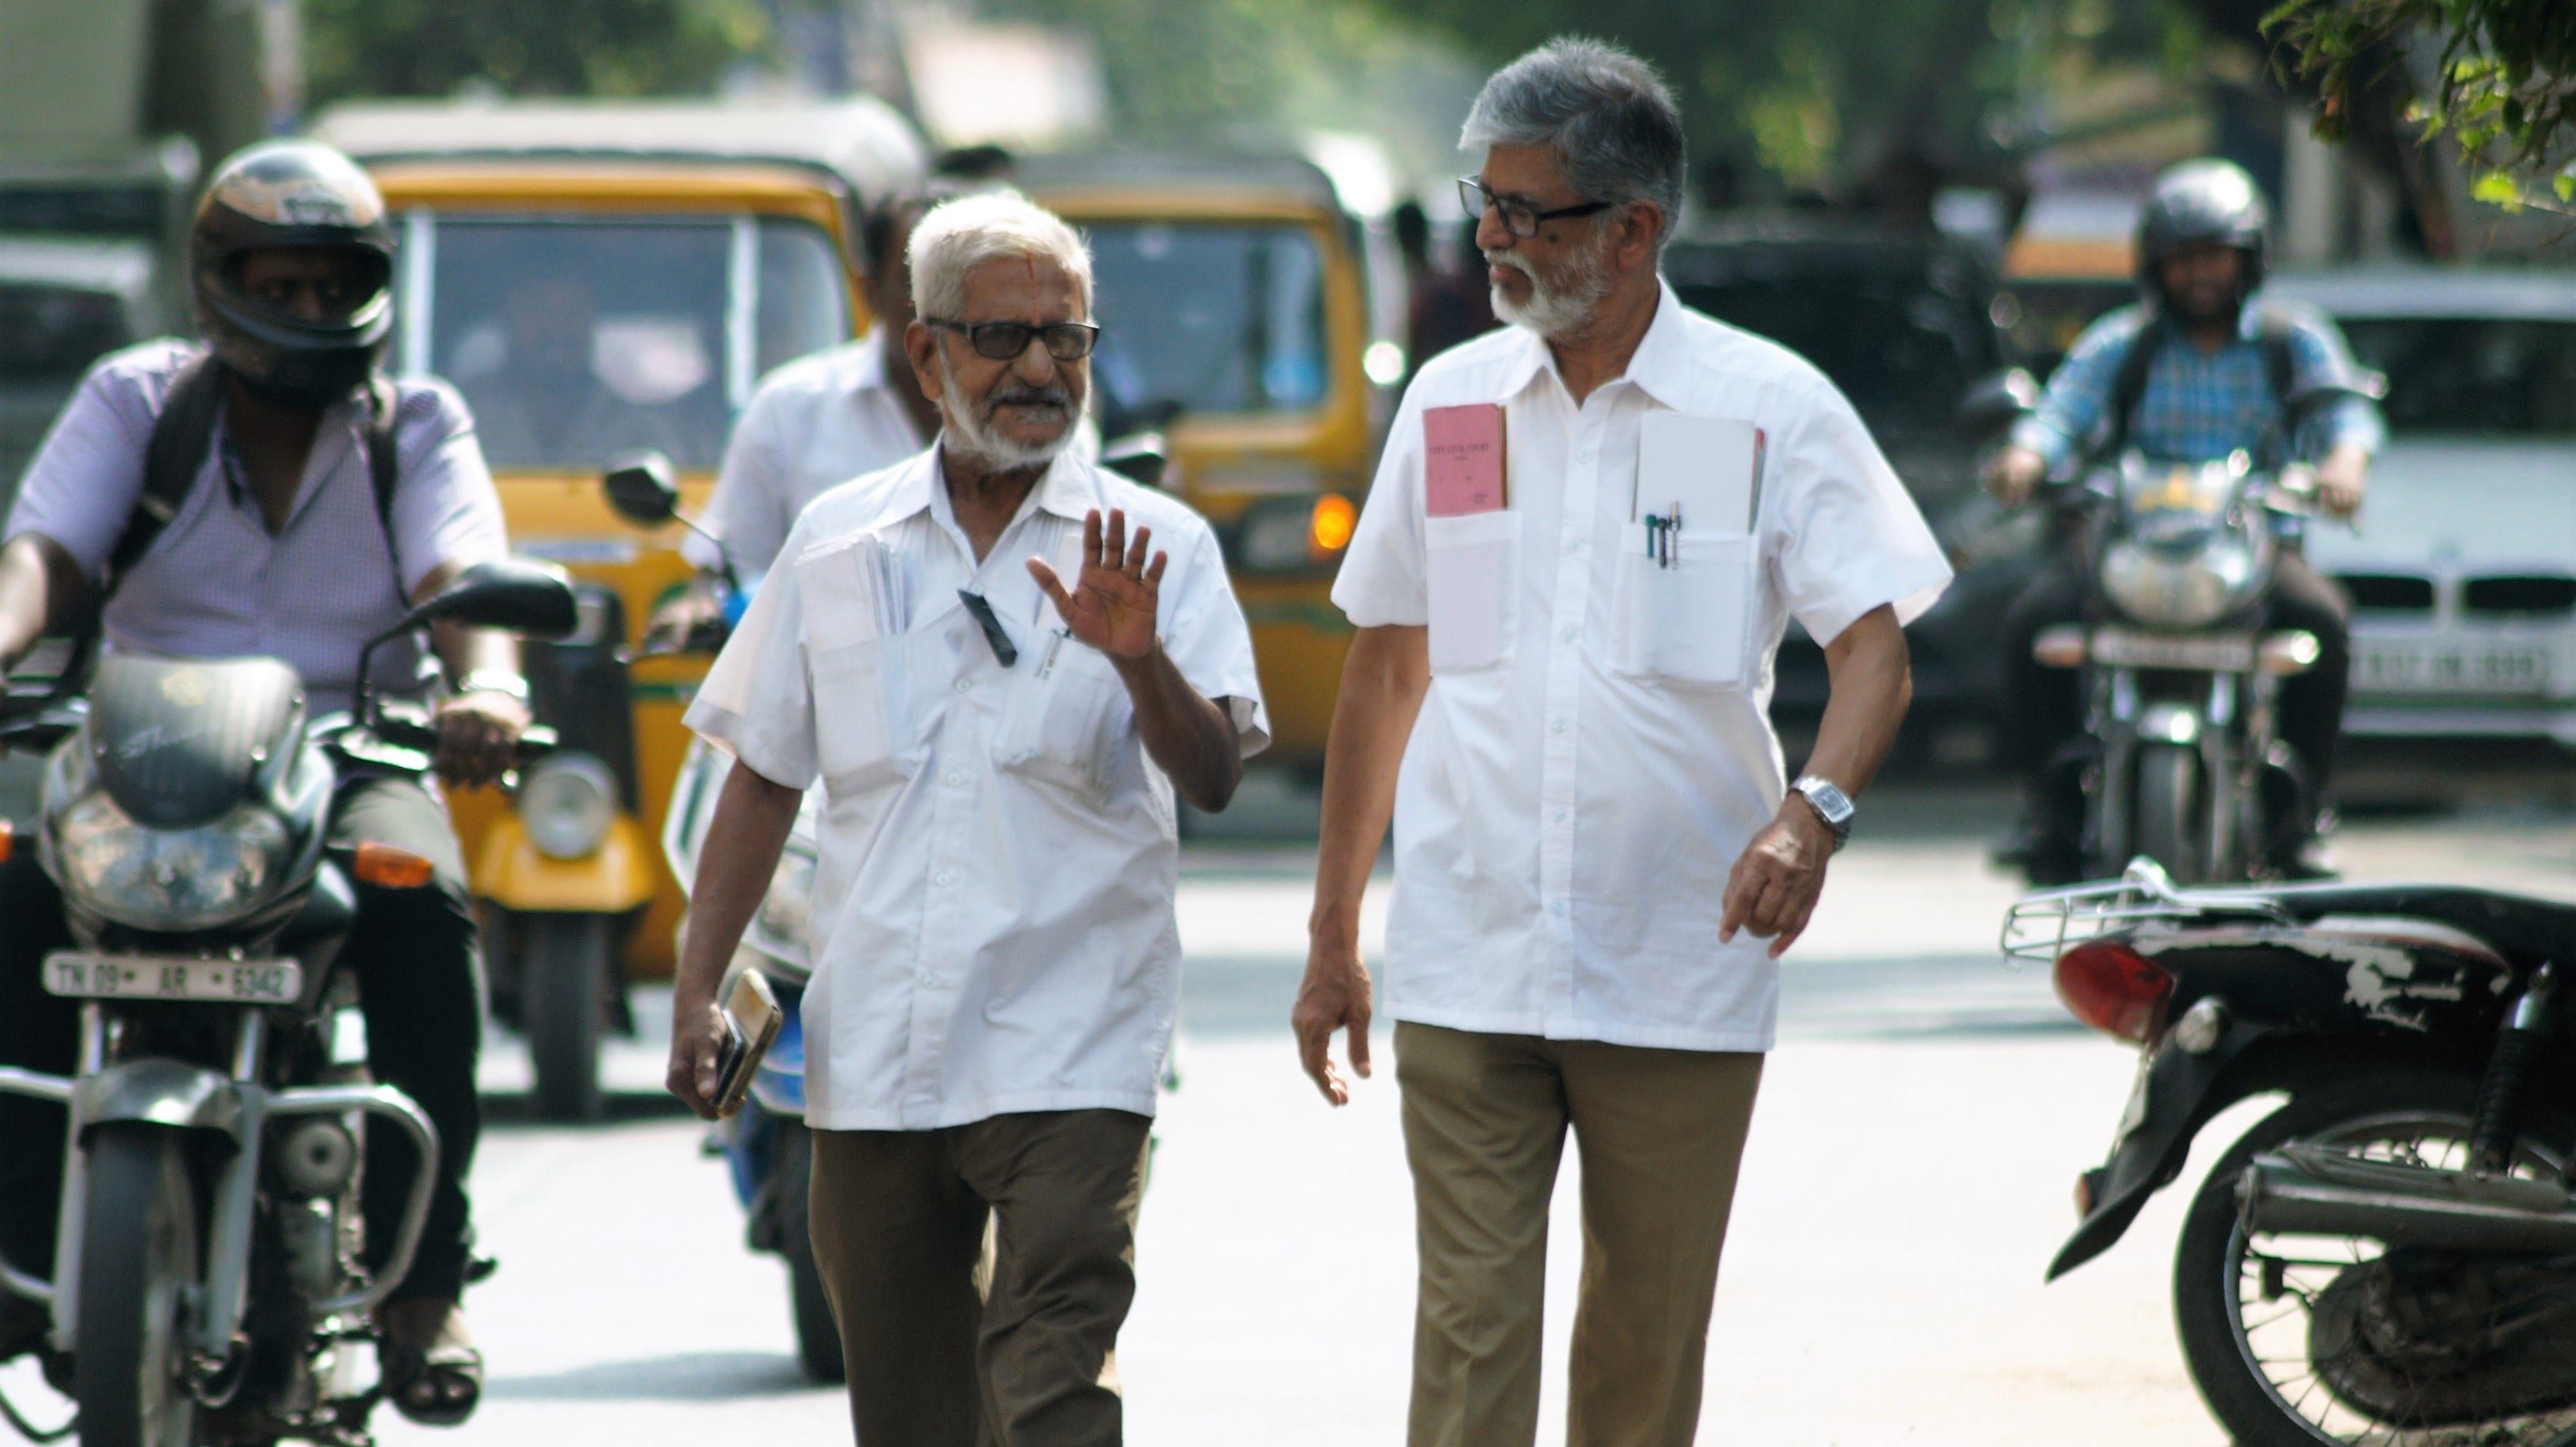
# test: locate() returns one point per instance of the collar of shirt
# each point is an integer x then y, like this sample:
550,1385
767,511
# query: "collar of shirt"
1660,367
337,432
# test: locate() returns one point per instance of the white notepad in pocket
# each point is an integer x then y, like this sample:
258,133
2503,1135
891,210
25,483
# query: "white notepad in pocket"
1703,464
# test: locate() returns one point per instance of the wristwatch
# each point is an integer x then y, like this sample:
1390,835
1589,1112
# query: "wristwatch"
1830,803
493,680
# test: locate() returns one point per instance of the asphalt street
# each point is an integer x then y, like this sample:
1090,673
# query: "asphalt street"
1909,1175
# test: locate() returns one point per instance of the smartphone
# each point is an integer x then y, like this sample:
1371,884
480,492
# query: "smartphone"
751,1020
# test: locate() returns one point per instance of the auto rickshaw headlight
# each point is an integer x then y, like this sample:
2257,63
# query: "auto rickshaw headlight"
567,801
1295,534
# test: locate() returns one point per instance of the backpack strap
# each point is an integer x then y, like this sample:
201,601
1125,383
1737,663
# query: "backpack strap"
181,436
384,466
2129,384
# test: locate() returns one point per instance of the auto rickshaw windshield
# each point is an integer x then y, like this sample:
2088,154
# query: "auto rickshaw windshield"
578,338
1224,320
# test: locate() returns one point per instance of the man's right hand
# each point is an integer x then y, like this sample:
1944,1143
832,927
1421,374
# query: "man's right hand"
697,1043
2014,473
1333,996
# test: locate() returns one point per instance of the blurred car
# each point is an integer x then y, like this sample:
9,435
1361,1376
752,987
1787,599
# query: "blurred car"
64,303
2463,568
1903,322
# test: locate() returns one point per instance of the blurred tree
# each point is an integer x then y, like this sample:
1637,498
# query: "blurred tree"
527,47
2504,82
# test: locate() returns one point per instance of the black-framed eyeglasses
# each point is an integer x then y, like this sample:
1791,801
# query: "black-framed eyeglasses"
1004,341
1520,218
1005,652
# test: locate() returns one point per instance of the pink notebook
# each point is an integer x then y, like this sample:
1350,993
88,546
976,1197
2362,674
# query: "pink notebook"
1462,460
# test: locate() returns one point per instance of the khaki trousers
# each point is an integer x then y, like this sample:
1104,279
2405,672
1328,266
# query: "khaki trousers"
1660,1132
898,1223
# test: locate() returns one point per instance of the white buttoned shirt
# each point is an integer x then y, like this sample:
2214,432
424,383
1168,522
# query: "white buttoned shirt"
1594,751
992,928
813,424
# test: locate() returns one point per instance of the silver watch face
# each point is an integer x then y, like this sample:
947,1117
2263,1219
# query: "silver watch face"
1830,801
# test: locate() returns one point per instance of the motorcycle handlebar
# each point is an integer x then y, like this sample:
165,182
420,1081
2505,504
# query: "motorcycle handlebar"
404,731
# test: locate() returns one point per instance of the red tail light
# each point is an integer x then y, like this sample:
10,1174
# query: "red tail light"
2114,989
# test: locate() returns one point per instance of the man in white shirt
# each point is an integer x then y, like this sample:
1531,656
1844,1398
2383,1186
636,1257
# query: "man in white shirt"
1001,687
1558,692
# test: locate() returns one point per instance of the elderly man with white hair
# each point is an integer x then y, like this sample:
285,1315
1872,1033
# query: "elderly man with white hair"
1002,662
1586,536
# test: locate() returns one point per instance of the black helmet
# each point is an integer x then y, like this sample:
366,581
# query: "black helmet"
2201,203
291,193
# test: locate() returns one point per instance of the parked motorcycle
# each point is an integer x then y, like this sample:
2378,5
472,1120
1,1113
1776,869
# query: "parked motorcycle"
208,1282
2389,1257
2181,759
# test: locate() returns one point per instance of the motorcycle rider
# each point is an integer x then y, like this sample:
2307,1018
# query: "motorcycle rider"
325,501
2197,370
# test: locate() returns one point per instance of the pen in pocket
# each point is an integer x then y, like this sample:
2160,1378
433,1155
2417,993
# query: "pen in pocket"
1055,641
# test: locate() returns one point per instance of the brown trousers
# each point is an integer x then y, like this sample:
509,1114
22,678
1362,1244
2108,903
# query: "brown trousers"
898,1223
1660,1131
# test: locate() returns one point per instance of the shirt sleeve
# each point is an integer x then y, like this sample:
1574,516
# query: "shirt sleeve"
2318,356
445,507
757,702
747,506
1847,537
2079,392
1382,582
81,486
1210,643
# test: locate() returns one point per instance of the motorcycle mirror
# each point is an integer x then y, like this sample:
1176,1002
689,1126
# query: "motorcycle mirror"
1996,402
518,594
1140,459
640,488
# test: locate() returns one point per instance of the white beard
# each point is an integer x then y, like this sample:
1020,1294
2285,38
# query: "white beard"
1552,312
969,438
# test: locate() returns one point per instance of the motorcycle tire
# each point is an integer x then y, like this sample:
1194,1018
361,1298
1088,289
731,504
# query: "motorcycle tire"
564,962
2166,807
818,1336
2235,1389
140,1254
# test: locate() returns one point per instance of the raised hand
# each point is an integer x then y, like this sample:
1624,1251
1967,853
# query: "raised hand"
1112,603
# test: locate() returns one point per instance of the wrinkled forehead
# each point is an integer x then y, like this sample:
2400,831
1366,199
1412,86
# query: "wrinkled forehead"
1528,172
1023,288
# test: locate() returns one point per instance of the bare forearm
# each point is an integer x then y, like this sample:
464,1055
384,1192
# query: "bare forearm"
1189,736
735,863
1872,684
39,586
1383,683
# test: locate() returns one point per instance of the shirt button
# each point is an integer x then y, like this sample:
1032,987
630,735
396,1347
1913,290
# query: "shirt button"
1574,545
942,878
1561,816
1556,726
963,685
1565,635
956,778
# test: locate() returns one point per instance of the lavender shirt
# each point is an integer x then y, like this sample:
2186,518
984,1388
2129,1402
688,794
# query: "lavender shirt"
217,583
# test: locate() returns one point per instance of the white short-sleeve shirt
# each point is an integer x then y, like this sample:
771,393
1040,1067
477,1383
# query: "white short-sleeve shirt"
992,928
1577,789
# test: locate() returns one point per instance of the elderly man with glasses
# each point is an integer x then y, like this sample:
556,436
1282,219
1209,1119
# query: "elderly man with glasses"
1002,662
1585,539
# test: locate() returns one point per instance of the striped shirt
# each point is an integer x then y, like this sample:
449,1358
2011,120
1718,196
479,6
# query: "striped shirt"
216,582
2199,406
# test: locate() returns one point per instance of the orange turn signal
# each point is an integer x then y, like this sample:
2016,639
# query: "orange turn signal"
8,840
386,867
1330,527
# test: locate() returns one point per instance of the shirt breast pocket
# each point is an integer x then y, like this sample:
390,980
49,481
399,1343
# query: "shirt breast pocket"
1686,623
863,735
1069,727
1472,575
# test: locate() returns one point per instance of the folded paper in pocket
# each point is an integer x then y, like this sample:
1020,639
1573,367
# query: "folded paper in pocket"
1462,461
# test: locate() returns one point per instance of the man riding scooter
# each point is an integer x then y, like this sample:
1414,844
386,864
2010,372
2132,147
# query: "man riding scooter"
268,492
2195,372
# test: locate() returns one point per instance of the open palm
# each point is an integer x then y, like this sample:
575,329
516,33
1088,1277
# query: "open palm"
1112,603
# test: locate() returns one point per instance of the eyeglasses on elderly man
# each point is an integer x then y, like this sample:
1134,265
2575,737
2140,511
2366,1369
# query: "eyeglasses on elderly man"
1521,217
1005,341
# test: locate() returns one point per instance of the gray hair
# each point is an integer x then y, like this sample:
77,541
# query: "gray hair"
1604,114
955,237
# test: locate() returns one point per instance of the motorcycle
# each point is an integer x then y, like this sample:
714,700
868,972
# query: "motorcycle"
209,1281
2181,759
2390,1256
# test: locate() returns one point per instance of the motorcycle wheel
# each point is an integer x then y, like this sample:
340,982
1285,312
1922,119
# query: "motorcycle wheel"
2249,1353
563,1002
2166,813
138,1273
818,1337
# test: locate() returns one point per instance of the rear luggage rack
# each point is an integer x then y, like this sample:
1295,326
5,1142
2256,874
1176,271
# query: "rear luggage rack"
2042,926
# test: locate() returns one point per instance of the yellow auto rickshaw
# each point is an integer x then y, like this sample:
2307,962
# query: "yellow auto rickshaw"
1234,299
598,280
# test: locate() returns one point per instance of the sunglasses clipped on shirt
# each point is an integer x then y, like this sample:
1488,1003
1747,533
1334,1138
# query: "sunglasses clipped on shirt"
1004,341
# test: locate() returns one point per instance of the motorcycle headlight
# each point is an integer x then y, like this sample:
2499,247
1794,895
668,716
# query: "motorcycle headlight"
167,880
2181,589
567,801
788,909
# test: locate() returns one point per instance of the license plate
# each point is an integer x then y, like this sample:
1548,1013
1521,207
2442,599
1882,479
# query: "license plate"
2208,652
80,976
2509,669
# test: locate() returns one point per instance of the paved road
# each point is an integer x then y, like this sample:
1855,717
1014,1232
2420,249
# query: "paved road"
1909,1175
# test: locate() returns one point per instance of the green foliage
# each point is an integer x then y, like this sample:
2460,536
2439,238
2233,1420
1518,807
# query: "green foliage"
527,47
2506,95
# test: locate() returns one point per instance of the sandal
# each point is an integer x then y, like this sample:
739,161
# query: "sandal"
438,1385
